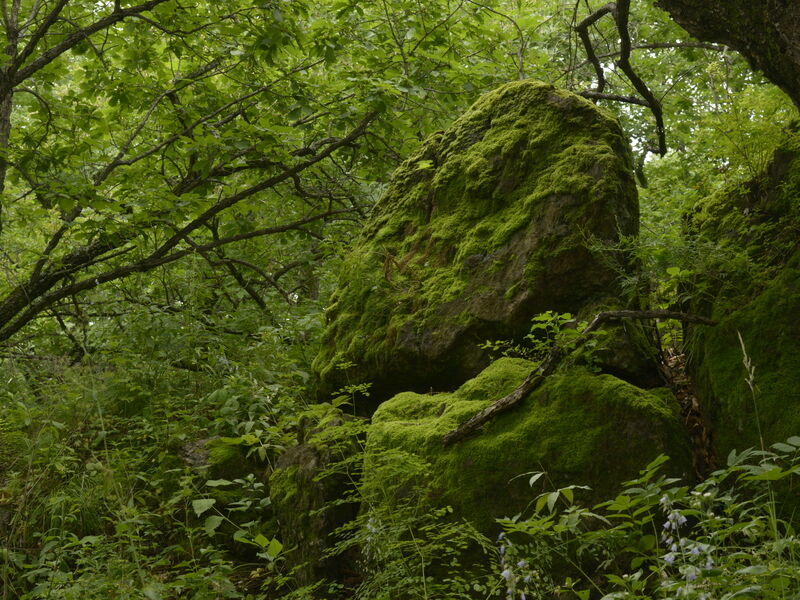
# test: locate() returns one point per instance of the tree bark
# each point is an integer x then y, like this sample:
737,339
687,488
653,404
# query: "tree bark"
765,32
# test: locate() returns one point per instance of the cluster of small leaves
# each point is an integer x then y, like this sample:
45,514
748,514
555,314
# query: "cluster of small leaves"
547,330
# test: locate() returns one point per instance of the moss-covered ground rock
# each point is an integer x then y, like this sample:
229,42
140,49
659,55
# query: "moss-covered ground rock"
579,427
309,488
770,331
485,227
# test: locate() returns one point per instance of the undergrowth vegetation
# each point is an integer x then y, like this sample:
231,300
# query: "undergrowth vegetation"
140,424
126,489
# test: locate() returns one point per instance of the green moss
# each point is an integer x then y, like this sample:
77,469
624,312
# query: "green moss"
12,445
771,333
757,220
283,486
754,290
310,492
580,428
505,194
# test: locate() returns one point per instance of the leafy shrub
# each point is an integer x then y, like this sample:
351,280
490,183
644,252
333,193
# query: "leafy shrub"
731,536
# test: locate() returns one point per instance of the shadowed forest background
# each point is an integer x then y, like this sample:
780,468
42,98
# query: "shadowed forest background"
185,185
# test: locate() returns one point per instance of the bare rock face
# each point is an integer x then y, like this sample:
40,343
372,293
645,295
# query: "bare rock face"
485,227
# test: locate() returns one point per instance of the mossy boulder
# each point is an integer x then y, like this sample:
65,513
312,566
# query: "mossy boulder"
754,292
483,228
770,331
310,488
579,427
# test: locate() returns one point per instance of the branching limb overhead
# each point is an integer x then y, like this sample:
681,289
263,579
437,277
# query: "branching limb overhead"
620,11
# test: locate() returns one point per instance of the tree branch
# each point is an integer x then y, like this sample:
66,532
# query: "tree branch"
658,46
37,35
620,11
263,185
551,362
37,303
583,32
592,95
17,74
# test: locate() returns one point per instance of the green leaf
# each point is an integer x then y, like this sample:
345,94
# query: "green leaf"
212,523
647,542
772,474
552,498
240,535
218,482
781,447
201,506
753,591
534,478
151,593
274,549
753,570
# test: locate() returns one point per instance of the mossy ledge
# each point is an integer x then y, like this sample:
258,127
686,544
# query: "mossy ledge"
579,427
484,227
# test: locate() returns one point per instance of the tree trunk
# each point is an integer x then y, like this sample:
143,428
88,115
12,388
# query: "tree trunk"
765,32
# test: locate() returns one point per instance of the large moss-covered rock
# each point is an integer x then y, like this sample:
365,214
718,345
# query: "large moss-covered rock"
754,291
484,227
580,428
770,330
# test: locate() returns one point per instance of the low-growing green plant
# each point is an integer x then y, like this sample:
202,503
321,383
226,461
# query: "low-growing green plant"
547,330
730,536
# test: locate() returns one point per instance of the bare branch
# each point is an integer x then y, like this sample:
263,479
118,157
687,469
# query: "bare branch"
583,32
591,95
621,11
37,35
659,46
623,8
31,17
